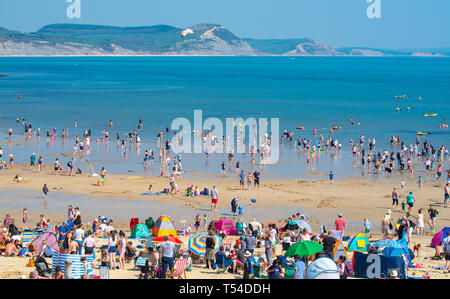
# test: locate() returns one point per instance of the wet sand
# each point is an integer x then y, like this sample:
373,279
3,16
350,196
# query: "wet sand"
120,198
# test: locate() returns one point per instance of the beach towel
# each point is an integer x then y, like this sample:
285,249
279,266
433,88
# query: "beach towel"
152,193
29,236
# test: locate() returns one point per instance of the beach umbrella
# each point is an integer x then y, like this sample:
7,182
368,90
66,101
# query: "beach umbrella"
303,224
197,243
304,248
171,238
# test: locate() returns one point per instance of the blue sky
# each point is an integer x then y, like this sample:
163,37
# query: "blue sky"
403,23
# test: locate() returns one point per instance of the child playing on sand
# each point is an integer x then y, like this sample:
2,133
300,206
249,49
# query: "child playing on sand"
420,182
367,227
240,210
86,268
45,191
403,184
205,222
331,175
403,204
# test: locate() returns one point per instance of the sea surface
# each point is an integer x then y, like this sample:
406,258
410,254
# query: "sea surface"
312,92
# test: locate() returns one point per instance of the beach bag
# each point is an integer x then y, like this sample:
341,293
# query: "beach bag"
30,263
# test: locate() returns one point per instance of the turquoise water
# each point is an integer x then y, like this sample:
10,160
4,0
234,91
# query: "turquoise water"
314,92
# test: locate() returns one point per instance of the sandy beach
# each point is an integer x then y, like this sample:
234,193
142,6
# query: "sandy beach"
356,198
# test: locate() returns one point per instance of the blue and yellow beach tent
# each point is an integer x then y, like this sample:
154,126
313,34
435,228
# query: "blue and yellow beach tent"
164,227
359,243
140,231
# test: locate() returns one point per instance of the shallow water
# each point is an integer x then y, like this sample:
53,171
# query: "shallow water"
314,92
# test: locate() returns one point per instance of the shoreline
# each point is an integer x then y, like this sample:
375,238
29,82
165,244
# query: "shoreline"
356,198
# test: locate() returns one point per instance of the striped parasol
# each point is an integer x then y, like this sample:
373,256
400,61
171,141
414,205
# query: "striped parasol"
197,243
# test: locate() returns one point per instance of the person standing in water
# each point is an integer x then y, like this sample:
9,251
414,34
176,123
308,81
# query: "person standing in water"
45,191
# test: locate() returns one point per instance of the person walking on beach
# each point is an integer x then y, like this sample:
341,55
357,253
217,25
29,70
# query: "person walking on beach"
112,250
386,224
11,161
167,255
446,196
410,200
122,249
249,180
331,175
432,212
256,176
340,223
45,191
394,199
210,245
420,222
40,163
33,160
242,179
214,199
25,219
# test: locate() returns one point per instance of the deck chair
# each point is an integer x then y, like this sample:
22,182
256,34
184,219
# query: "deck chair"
178,270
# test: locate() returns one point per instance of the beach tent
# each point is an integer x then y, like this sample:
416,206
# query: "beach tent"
164,227
49,237
227,226
303,224
77,268
322,268
358,243
376,266
400,249
437,239
139,231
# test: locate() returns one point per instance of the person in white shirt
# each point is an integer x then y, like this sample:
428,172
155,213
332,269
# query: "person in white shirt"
89,244
79,236
167,254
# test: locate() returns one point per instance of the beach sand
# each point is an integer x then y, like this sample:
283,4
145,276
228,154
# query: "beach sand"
356,198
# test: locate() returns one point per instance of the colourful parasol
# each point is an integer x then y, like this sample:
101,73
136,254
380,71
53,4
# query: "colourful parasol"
197,243
171,238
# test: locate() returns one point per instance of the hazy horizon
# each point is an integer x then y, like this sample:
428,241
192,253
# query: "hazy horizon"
404,24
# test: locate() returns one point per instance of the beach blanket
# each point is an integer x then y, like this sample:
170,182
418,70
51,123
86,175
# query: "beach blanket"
29,236
153,193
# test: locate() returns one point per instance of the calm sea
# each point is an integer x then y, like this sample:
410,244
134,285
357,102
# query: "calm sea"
313,92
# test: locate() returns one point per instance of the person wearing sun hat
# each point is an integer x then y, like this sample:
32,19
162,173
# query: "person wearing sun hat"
248,265
394,274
